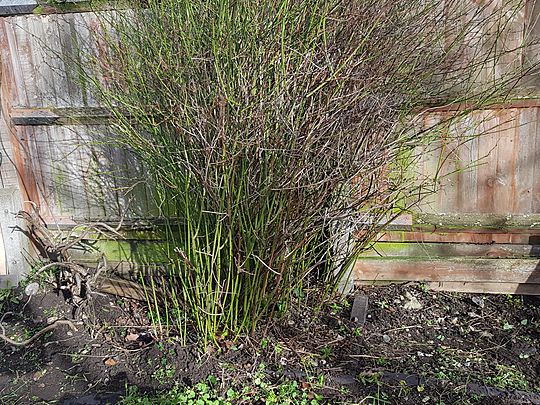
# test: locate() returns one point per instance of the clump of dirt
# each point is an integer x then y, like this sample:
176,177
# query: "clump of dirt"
416,346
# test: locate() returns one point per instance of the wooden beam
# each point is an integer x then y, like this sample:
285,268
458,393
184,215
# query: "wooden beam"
466,222
435,250
448,269
79,6
477,222
121,288
16,7
460,236
59,116
486,288
523,102
469,287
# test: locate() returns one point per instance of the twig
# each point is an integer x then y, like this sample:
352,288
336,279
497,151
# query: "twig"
403,328
38,334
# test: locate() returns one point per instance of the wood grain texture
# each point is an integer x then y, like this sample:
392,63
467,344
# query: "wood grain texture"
449,269
437,250
468,287
458,237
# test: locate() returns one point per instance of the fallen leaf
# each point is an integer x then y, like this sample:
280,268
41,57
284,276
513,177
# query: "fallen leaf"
132,337
110,362
412,302
38,374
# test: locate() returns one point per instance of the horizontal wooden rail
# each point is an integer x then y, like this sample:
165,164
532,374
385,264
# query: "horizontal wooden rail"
524,102
85,115
470,287
449,270
466,222
437,250
22,7
59,116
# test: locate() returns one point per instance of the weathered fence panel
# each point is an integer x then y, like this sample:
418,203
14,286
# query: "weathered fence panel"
479,232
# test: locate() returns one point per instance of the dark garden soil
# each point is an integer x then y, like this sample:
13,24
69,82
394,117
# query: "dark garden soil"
416,347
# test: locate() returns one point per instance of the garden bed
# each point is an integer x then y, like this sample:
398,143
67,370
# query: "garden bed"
417,346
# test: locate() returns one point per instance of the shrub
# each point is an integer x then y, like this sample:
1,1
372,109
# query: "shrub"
280,134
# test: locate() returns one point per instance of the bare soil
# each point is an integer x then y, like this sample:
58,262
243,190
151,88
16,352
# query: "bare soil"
416,347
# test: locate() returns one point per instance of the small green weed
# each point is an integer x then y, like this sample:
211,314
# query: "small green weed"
165,372
326,352
508,377
207,393
382,304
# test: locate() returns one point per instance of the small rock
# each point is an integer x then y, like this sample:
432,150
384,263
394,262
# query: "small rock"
31,289
479,301
412,302
386,338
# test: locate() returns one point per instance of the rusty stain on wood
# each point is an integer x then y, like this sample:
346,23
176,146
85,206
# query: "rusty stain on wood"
19,141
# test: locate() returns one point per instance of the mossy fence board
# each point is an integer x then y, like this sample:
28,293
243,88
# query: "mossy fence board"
480,232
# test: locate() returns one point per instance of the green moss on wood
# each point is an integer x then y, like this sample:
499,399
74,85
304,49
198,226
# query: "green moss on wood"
55,7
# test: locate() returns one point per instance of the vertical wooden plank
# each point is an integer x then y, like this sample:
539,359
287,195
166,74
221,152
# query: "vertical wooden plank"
504,184
31,62
450,166
70,60
526,156
17,54
61,173
10,95
536,177
87,25
468,158
429,164
487,154
77,148
51,195
40,161
92,179
43,65
57,91
8,173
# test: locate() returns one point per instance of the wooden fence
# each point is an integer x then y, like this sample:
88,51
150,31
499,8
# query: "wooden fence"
479,232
